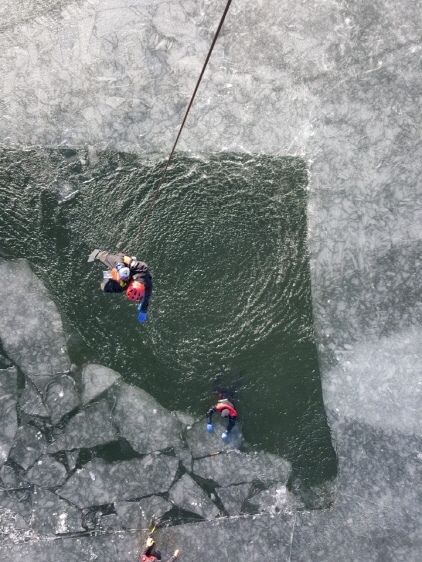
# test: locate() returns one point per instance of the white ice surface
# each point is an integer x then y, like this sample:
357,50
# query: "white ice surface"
31,328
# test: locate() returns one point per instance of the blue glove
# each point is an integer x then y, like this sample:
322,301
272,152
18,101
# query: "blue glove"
142,317
210,427
225,436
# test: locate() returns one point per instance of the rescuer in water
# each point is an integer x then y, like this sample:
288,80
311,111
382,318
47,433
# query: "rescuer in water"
126,274
149,554
225,408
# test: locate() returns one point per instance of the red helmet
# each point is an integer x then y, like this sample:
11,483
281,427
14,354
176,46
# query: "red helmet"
135,291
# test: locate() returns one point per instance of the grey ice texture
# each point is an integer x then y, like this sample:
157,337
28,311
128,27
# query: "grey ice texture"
47,473
10,480
144,422
100,482
61,397
30,325
275,499
202,443
31,401
141,514
188,495
233,497
51,515
95,380
30,443
336,83
236,467
8,412
89,428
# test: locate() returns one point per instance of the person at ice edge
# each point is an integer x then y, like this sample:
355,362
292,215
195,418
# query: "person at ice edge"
126,274
149,554
226,409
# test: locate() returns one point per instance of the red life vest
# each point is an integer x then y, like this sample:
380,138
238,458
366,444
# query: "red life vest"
150,558
226,405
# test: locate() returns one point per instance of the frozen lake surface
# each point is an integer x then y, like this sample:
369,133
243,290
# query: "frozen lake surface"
336,85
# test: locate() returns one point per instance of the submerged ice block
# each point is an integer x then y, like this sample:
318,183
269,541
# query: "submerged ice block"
31,328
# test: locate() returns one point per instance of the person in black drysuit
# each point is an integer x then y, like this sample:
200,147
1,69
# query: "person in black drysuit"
224,406
127,274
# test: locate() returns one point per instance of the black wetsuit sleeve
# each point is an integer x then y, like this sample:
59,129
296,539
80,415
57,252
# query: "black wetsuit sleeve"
209,414
172,559
140,272
147,550
231,425
145,301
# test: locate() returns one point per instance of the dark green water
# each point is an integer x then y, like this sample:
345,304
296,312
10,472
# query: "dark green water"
226,244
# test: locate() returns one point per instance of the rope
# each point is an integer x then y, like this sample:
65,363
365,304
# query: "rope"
183,122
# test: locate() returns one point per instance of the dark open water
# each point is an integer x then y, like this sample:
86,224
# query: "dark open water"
227,247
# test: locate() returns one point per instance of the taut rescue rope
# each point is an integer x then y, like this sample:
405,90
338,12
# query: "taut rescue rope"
183,122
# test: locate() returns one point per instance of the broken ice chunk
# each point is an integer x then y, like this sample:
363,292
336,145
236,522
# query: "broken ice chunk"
72,459
50,514
61,397
185,457
47,473
96,379
275,499
188,495
141,514
89,428
184,418
201,443
144,422
29,445
236,467
18,501
31,316
31,401
8,414
99,482
234,496
111,522
11,480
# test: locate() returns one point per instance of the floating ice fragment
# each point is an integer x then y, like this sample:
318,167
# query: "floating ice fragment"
92,427
189,496
132,415
96,379
8,411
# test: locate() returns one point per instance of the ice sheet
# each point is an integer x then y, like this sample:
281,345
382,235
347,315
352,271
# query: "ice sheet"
142,514
31,329
187,495
61,397
144,422
8,413
95,380
30,443
99,482
47,473
89,428
235,467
